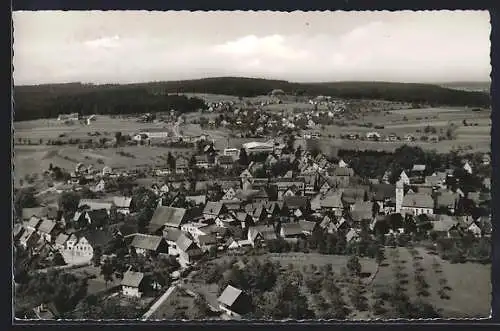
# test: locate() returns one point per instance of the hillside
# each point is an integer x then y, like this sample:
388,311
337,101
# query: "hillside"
48,100
468,86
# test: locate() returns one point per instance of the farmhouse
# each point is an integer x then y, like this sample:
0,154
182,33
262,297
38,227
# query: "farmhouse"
132,284
48,230
188,250
166,216
147,244
234,302
213,210
122,204
417,204
81,246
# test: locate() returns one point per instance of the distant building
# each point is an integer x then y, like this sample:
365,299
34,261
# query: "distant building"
258,147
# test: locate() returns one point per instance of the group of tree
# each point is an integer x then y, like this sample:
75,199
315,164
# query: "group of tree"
33,103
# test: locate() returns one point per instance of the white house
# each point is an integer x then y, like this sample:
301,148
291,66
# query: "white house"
132,284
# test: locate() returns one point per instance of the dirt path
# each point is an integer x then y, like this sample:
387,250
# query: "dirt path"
159,302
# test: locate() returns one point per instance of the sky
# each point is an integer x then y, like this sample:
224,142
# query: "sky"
141,46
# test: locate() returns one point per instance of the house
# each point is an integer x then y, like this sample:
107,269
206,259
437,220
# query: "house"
48,230
297,203
225,161
307,227
385,195
352,195
254,236
196,229
17,231
362,211
352,236
46,311
486,160
446,200
202,161
443,225
225,221
474,229
171,235
188,250
166,216
145,244
213,209
234,302
60,241
132,284
342,176
418,169
206,242
229,194
417,203
81,246
97,217
333,202
467,167
181,165
29,238
232,205
487,183
485,225
33,223
93,204
291,231
122,204
40,212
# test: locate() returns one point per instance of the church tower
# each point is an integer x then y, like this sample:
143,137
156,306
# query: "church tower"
399,195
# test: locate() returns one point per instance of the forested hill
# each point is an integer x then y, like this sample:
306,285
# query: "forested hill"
49,100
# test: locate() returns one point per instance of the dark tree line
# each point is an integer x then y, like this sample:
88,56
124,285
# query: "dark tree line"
31,103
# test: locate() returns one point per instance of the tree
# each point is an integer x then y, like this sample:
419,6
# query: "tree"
96,258
25,198
58,259
118,137
171,161
353,265
107,271
243,158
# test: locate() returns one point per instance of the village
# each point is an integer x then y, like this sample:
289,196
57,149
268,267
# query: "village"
127,241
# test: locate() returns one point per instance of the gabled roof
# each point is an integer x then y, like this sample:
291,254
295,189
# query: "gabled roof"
231,204
172,234
34,222
295,202
122,202
331,201
229,296
444,223
307,225
418,200
94,204
213,208
47,226
291,229
27,234
242,216
97,237
418,167
383,191
168,216
446,199
148,242
184,243
97,215
207,239
61,238
343,171
132,279
253,233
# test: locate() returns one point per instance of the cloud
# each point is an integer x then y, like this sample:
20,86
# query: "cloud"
418,48
104,42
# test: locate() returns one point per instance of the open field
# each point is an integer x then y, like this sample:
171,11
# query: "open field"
461,278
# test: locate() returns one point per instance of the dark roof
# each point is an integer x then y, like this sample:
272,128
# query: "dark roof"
351,195
207,239
225,159
231,204
229,295
383,191
290,229
165,215
242,216
213,208
128,228
262,194
95,204
18,228
97,237
97,215
148,242
132,278
295,202
307,225
446,199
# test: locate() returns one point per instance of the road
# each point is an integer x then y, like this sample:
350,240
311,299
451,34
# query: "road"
159,302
